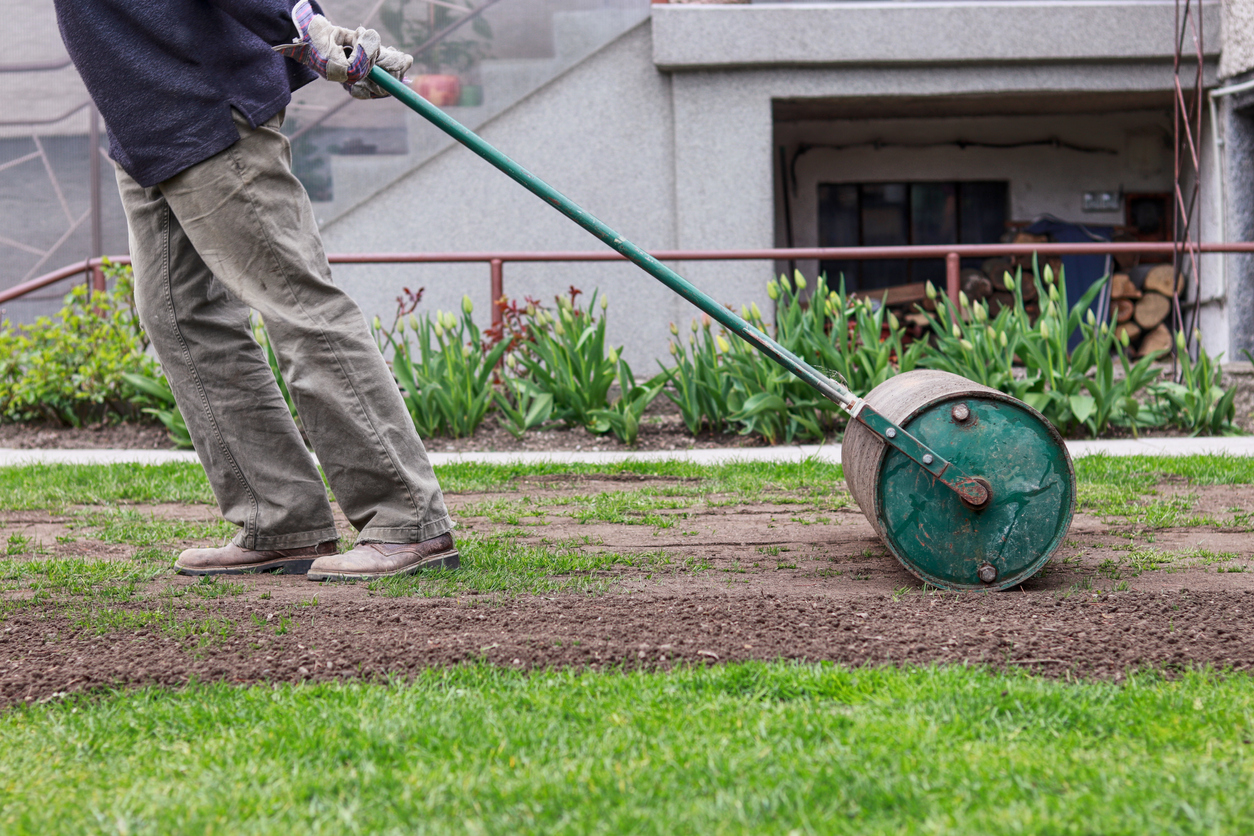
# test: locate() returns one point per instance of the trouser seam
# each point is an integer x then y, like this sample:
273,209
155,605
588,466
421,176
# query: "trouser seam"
250,526
348,379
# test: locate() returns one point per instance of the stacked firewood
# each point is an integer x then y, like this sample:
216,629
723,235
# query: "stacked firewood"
1141,300
1140,295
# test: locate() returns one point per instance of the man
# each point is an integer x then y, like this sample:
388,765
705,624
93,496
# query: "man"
193,94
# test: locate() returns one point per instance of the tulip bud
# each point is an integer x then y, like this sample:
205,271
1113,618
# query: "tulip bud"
772,290
378,326
1179,341
531,310
744,311
400,326
511,361
963,301
966,345
465,352
893,324
957,331
674,329
705,321
1044,329
1009,281
605,303
439,331
1049,274
612,356
1051,310
753,307
930,289
1123,337
674,349
694,326
1001,338
783,283
978,312
1053,293
1090,318
722,343
558,329
413,323
468,306
799,280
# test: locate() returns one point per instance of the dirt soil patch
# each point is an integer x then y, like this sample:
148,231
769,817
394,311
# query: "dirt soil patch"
775,577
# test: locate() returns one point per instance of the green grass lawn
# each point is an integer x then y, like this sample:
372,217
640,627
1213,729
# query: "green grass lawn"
753,748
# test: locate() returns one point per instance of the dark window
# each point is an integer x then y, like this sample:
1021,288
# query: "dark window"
894,214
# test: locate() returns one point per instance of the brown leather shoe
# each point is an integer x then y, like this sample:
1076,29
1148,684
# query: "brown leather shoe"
384,560
235,560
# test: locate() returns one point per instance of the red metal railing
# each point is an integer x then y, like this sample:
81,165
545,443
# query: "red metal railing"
496,261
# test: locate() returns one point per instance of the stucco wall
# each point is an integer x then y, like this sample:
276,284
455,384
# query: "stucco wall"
1238,38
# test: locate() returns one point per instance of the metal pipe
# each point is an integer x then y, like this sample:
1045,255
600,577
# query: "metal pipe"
953,276
497,290
836,253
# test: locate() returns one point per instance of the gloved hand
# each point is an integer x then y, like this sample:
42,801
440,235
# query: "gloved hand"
333,52
394,61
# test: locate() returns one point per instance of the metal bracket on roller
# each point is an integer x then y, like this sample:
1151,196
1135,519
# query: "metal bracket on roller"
972,491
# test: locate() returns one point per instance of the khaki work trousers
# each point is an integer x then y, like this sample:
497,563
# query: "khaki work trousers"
236,232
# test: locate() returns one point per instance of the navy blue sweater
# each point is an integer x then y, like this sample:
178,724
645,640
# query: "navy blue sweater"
166,73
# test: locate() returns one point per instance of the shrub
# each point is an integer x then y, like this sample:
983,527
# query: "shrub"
69,369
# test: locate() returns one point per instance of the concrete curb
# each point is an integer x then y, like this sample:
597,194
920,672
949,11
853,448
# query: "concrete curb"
1234,446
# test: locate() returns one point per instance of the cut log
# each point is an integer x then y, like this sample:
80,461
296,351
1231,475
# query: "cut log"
996,269
1000,299
975,284
1157,340
1124,309
1131,329
1121,287
1151,309
1162,279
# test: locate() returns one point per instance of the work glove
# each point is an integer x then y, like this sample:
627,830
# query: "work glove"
394,62
339,54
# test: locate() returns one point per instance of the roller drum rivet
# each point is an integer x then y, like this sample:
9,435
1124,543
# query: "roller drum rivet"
927,458
890,433
961,412
987,572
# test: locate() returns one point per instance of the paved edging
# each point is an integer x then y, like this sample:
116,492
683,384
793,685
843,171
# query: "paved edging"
1235,446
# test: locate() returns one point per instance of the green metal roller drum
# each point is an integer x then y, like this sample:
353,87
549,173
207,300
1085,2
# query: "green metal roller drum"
973,502
937,536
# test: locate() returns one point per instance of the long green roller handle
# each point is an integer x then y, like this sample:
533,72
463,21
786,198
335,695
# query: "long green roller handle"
966,487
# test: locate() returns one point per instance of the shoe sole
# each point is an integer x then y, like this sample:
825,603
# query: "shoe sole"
444,560
286,565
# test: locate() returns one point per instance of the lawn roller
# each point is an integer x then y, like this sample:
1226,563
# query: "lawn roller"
969,488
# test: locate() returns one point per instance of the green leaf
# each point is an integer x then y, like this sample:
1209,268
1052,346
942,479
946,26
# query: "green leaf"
1082,406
